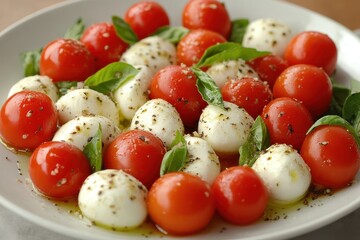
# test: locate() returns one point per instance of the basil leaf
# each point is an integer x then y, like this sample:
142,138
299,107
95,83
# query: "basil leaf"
30,62
124,31
338,121
208,89
75,31
339,96
172,34
238,28
174,159
351,107
228,51
111,77
65,86
258,141
93,151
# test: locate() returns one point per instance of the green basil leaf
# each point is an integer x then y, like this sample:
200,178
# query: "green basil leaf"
238,28
76,31
65,86
351,107
124,31
30,62
174,159
258,141
93,151
208,89
228,51
111,77
172,34
339,96
338,121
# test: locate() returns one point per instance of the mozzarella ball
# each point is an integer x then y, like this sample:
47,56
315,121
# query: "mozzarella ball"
224,71
114,199
160,118
83,102
267,34
284,172
79,131
225,129
37,83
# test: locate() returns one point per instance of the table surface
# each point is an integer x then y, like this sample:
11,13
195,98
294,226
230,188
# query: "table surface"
14,227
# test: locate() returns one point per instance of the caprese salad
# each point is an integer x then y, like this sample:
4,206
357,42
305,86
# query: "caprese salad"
136,118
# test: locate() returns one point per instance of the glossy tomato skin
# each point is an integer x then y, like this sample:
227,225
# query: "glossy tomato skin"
269,67
207,14
103,43
287,121
66,60
177,85
314,48
27,119
58,169
138,153
146,17
240,195
248,93
181,203
308,84
333,156
193,45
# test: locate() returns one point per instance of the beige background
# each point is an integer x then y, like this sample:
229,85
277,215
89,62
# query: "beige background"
347,12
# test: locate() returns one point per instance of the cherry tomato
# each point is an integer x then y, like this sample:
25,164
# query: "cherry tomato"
177,85
287,121
66,60
193,45
248,93
240,195
268,67
180,203
138,153
27,119
146,17
207,14
312,48
308,84
333,156
58,169
103,43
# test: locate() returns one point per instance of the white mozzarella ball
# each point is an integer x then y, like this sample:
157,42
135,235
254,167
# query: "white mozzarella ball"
80,130
114,199
201,160
82,102
133,94
154,52
284,172
37,83
160,118
224,71
225,129
267,34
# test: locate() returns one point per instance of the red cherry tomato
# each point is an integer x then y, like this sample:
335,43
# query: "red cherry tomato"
177,85
248,93
268,67
180,203
138,153
240,195
193,45
207,14
312,48
333,156
103,43
287,121
308,84
146,17
66,60
27,119
58,169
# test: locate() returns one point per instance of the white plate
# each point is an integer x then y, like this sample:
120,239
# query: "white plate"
36,30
